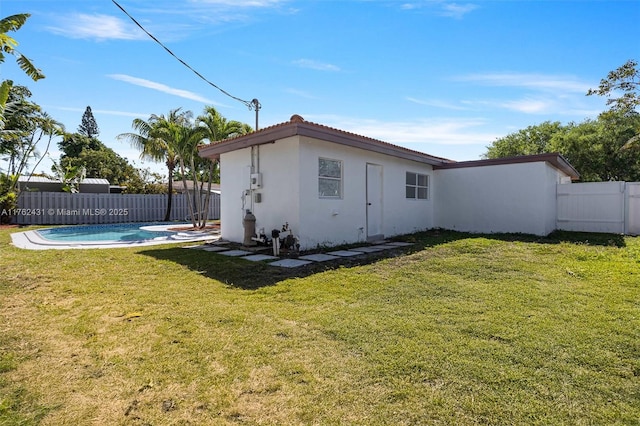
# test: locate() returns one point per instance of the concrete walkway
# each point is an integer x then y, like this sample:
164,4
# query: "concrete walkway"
301,260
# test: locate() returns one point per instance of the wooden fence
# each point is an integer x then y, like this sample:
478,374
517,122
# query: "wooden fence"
60,208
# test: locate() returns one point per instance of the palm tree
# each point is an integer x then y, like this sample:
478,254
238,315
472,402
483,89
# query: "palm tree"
8,45
187,138
217,128
158,144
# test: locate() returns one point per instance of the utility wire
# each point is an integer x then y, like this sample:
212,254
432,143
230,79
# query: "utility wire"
249,104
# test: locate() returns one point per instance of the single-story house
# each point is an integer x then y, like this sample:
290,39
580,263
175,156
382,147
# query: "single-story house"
45,184
333,187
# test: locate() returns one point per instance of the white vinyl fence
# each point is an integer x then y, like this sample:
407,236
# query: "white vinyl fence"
610,207
60,208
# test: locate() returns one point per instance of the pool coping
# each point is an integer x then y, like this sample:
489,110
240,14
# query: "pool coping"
31,240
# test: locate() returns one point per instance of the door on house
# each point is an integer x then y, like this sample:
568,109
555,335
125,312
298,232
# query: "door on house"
374,202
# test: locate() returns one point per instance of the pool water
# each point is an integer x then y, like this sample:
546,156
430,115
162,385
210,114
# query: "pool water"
112,232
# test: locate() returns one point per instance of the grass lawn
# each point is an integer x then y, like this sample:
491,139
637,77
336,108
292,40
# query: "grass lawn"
457,329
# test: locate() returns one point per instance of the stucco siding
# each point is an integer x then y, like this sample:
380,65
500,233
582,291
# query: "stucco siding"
326,221
500,198
289,192
278,166
280,192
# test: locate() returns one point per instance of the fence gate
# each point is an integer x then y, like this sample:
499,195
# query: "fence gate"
610,207
633,208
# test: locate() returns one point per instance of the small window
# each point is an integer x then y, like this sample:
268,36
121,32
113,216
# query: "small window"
329,178
417,186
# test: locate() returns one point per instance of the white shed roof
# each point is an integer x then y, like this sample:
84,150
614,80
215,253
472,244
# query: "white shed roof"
42,179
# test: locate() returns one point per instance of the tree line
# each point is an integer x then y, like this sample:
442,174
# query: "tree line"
602,149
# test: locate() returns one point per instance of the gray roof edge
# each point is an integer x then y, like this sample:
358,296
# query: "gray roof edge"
320,132
555,159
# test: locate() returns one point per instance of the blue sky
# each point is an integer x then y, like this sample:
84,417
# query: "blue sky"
442,77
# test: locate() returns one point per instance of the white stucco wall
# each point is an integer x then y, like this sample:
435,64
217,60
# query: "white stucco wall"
500,198
289,193
336,221
279,167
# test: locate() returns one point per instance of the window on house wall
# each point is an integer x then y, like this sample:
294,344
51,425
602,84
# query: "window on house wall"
329,178
417,186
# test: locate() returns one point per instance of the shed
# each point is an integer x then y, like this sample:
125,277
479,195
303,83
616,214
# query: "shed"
45,184
333,187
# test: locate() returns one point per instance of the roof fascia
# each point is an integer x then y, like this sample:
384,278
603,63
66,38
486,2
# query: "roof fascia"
271,135
555,159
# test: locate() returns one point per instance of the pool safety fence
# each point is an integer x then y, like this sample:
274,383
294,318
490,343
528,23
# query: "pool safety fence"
60,208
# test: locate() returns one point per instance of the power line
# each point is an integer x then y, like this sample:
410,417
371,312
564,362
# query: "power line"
249,104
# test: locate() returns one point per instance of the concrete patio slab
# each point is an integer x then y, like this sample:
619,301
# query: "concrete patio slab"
320,257
259,257
367,249
398,244
344,253
235,253
214,248
290,263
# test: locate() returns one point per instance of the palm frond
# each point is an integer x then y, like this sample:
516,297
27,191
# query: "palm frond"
13,22
27,66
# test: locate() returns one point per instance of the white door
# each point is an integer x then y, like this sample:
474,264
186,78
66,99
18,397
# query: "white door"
374,202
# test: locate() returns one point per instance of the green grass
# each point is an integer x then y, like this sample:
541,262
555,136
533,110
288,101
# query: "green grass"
457,329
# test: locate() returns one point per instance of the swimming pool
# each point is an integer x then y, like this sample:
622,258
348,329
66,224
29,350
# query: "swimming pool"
110,236
113,232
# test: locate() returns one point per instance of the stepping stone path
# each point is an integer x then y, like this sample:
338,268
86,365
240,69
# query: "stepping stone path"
302,260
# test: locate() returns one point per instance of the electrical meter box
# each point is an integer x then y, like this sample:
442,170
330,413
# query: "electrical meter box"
256,180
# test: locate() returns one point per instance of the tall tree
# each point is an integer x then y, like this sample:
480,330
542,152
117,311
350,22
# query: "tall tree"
593,147
622,89
216,128
88,127
532,140
158,145
8,45
26,126
72,144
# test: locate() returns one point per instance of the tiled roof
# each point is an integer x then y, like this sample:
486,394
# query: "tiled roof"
298,126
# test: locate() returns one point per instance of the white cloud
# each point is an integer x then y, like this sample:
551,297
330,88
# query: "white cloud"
530,106
442,8
532,93
97,26
300,93
436,103
409,133
527,80
241,3
455,10
315,65
161,88
105,112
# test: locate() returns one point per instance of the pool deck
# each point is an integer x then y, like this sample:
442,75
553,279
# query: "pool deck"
31,240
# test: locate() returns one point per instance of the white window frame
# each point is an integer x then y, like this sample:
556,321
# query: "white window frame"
416,186
338,179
